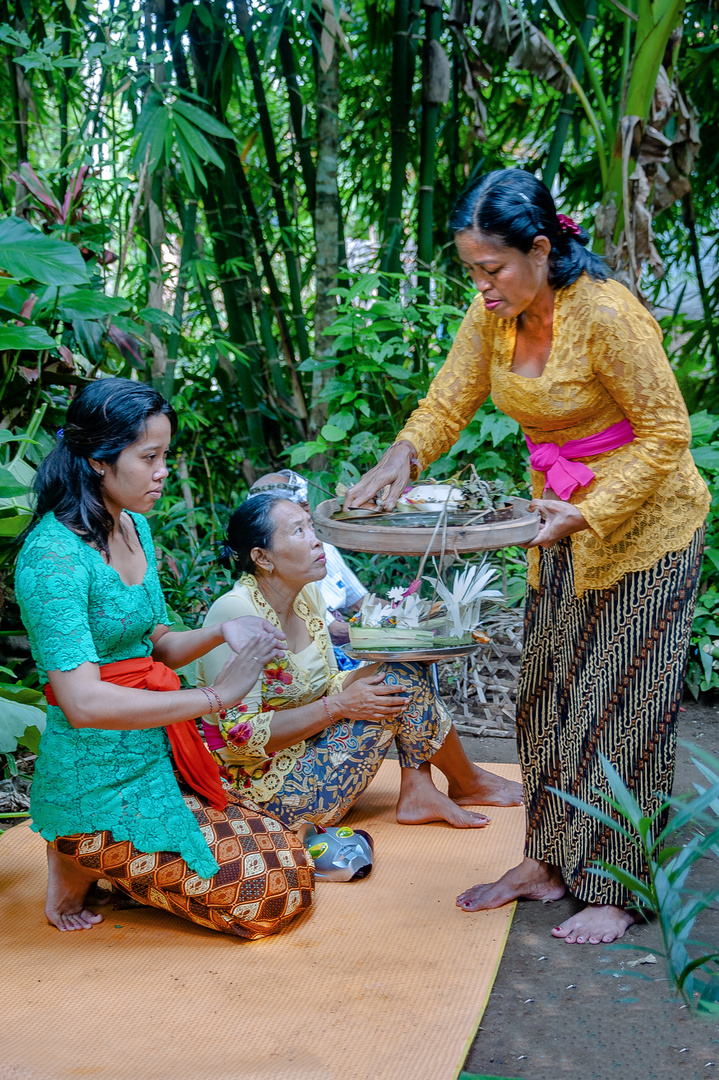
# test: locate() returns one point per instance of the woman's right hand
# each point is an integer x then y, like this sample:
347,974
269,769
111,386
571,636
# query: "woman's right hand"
369,699
391,471
240,674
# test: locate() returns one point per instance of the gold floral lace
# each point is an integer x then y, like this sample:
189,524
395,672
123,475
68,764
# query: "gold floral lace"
606,363
285,684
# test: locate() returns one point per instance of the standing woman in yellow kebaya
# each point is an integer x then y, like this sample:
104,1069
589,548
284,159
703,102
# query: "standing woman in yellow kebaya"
614,569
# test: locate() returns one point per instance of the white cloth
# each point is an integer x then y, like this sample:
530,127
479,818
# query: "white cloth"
340,588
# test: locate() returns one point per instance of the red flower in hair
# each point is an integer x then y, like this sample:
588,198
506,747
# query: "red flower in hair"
567,225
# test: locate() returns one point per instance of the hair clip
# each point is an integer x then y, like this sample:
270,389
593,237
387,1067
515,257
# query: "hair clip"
60,433
566,225
523,196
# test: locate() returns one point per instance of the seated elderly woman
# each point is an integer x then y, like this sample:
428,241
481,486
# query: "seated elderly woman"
307,739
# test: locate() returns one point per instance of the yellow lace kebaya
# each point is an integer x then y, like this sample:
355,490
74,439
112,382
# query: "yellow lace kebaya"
606,363
296,679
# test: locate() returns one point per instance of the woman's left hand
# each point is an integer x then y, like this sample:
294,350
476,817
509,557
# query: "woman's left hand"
238,632
559,519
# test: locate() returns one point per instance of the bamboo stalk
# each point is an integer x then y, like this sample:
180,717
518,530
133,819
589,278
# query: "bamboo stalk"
302,141
399,121
273,169
428,136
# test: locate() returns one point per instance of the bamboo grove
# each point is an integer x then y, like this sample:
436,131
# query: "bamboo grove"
253,202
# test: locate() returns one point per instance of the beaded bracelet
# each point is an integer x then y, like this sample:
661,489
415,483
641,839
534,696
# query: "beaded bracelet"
219,708
327,710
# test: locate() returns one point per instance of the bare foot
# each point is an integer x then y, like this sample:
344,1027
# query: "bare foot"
411,811
531,880
420,802
597,924
67,892
486,789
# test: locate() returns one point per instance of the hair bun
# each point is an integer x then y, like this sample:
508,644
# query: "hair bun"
226,555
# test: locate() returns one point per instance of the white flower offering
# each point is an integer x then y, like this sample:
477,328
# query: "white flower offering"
405,621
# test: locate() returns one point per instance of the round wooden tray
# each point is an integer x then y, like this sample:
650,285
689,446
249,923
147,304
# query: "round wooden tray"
367,533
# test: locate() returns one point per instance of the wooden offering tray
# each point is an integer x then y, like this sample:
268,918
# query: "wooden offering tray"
409,532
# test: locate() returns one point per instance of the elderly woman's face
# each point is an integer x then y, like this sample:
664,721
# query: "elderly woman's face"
508,280
296,555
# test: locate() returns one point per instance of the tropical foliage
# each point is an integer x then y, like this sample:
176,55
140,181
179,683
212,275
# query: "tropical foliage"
670,851
247,206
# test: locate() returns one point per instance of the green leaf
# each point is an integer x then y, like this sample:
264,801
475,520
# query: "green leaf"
30,255
199,143
706,457
90,304
703,424
202,119
15,719
33,338
157,317
183,19
152,126
9,486
333,433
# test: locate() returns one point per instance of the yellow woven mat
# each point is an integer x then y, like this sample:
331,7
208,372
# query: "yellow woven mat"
385,979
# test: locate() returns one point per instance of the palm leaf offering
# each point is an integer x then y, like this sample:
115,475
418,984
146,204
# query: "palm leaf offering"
406,621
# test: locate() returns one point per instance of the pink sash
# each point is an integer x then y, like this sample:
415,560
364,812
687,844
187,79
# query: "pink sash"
563,473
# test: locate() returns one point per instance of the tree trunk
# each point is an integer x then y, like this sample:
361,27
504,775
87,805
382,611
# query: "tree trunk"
327,217
435,92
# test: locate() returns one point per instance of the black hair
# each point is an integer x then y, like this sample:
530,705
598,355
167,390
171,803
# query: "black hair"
516,207
251,526
106,417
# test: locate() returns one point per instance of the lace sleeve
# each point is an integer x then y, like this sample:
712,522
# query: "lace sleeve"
52,585
631,364
455,393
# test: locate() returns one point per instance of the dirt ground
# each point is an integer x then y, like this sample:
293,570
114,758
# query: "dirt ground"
579,1012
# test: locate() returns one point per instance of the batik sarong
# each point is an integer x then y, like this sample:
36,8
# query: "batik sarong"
265,878
340,761
601,674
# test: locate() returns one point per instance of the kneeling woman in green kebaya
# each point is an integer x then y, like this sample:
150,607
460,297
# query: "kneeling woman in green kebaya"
124,788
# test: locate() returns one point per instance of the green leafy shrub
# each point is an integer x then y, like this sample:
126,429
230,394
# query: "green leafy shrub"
692,968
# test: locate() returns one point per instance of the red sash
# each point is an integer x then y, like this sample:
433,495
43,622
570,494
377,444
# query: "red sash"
190,753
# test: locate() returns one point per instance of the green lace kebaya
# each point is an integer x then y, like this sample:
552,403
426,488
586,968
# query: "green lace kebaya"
77,609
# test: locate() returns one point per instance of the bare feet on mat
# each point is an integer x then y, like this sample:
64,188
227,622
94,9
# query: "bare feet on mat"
487,789
420,802
67,893
597,924
531,880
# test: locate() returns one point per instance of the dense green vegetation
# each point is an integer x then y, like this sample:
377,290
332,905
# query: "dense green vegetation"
247,207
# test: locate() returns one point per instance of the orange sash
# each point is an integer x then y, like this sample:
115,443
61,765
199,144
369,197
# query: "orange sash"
192,757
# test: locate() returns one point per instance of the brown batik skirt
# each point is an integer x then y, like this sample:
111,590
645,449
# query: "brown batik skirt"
601,674
265,878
